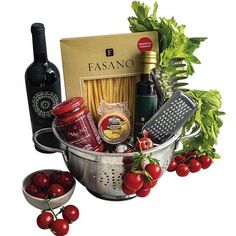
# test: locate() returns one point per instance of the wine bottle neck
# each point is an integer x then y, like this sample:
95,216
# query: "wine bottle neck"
39,47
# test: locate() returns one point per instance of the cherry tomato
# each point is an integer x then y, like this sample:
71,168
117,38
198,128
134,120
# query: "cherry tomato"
32,190
66,180
194,165
33,176
41,195
55,176
70,213
60,227
41,180
126,190
149,184
180,159
182,170
144,162
133,181
172,166
205,161
55,190
143,144
191,154
143,192
45,220
154,170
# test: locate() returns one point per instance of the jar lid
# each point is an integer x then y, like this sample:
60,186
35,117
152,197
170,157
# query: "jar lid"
67,106
114,128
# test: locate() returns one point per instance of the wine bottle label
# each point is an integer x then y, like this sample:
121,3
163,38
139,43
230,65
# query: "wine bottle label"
43,102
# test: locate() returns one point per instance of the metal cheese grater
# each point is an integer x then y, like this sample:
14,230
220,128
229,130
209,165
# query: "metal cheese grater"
175,112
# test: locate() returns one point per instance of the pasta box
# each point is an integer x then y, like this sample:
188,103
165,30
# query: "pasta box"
104,67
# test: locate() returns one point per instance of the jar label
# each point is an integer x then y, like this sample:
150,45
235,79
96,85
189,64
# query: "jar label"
82,132
43,102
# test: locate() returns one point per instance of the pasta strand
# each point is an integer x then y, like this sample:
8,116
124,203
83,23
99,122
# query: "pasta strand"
117,89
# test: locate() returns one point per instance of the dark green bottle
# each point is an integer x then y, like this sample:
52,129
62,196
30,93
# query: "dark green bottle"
145,98
43,87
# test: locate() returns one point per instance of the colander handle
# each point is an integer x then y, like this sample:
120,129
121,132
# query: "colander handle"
196,130
47,148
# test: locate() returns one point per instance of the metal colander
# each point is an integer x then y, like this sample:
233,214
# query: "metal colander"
101,173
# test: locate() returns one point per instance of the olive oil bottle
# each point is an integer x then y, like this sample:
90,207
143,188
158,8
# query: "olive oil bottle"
146,102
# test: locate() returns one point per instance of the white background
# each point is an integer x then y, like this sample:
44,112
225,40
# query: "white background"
200,204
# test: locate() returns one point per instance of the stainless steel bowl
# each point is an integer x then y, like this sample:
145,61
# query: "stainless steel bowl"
101,173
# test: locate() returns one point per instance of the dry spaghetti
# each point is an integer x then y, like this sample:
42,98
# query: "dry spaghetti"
118,89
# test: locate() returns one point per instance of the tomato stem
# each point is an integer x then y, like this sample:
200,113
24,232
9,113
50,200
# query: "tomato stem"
50,208
61,210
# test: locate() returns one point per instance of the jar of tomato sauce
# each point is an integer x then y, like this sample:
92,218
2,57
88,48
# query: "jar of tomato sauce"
75,124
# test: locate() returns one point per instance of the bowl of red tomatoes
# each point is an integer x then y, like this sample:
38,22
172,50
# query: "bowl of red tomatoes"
48,188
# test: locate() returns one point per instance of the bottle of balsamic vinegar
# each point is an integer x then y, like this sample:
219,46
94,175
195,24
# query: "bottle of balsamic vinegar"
42,80
146,102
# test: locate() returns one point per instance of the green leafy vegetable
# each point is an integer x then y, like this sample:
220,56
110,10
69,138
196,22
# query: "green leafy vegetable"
173,43
172,40
208,118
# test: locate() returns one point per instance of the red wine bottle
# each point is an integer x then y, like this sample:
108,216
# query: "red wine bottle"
43,87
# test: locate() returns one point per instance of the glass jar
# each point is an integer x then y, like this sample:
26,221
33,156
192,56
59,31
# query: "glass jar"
76,126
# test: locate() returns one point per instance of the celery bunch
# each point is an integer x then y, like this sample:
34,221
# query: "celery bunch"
173,43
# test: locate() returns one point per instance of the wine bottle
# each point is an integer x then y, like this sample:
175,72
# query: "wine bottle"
146,101
43,88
